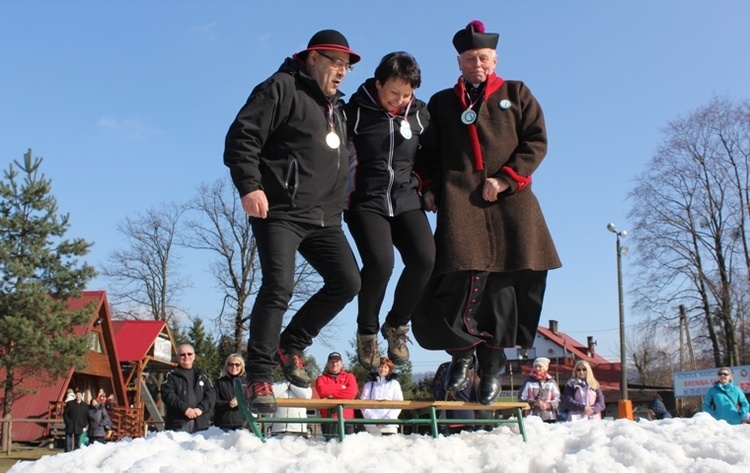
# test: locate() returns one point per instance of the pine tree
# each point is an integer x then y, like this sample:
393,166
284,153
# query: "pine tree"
206,353
39,272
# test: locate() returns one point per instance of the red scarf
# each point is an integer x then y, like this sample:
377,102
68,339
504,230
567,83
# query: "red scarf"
539,377
492,83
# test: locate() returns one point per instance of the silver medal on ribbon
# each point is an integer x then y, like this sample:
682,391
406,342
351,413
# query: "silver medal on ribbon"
469,116
405,129
332,140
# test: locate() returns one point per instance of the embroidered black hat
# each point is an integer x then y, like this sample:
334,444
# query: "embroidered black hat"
474,37
334,356
330,40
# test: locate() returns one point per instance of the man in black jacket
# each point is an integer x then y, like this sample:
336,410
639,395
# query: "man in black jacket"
188,395
76,418
286,151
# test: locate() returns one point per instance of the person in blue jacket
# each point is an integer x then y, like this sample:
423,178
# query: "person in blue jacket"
725,401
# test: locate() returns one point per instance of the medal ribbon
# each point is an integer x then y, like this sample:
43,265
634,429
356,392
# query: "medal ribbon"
329,116
493,83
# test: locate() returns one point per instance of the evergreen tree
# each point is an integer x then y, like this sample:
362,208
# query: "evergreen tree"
206,354
225,347
39,273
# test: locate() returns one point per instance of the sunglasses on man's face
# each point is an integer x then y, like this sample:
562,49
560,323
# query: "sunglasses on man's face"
723,374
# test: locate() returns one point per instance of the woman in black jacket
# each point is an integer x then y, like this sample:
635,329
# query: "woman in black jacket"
99,422
384,208
226,413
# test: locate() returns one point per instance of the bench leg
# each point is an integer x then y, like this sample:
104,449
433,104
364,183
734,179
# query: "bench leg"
342,431
433,422
521,426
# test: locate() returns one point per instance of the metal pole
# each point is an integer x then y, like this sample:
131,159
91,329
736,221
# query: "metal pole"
623,354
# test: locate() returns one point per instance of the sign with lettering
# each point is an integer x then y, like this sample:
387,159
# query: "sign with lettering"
163,350
696,383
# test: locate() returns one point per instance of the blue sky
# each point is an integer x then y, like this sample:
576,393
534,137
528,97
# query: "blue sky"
129,102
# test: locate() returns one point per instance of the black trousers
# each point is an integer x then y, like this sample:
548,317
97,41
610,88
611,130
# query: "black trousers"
375,236
327,251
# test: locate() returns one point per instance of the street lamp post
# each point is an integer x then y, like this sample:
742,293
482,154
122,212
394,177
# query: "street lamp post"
625,405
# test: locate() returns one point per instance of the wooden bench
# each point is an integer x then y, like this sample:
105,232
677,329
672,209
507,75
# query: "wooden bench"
337,406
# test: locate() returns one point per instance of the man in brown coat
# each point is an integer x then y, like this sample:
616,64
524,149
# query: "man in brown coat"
493,247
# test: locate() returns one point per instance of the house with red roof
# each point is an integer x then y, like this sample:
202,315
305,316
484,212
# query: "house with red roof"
42,398
120,355
146,348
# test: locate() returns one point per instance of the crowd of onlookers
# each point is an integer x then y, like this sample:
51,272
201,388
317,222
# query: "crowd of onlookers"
86,422
193,403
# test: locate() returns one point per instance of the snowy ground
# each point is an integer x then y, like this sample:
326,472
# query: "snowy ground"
699,444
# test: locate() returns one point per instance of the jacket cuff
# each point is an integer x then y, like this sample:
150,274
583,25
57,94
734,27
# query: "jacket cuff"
520,181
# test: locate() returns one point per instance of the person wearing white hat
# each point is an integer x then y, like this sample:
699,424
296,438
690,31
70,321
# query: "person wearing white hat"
541,392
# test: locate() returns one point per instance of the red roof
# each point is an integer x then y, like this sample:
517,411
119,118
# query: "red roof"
35,404
572,345
134,338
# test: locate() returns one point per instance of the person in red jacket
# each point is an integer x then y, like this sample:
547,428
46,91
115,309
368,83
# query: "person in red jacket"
336,383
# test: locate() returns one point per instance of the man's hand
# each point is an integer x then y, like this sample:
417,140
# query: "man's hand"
429,201
492,188
193,412
255,204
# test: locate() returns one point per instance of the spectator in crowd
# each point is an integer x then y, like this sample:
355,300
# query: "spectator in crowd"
188,394
99,422
227,414
284,390
101,397
286,152
541,391
582,397
336,383
384,207
69,395
111,403
468,394
486,138
657,409
382,385
75,416
724,400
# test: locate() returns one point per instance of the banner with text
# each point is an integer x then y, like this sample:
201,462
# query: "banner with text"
696,383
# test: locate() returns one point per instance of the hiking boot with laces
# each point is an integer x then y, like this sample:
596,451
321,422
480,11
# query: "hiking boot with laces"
260,398
368,354
398,352
292,365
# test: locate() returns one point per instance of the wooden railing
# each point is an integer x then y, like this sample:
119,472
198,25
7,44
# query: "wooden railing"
126,421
